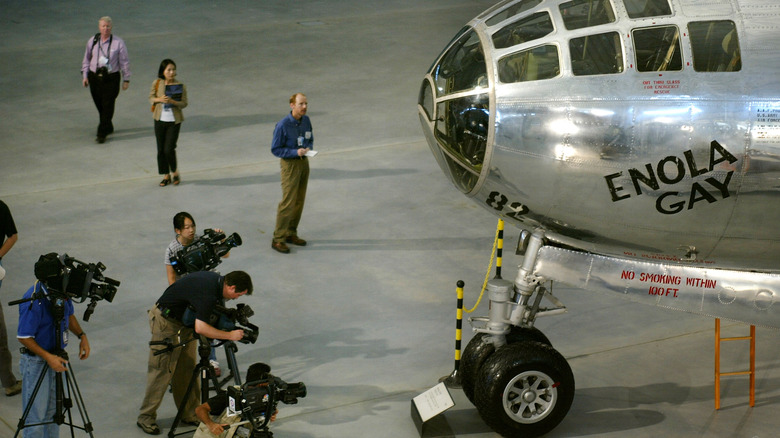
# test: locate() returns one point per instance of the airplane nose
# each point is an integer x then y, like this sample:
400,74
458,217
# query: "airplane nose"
454,108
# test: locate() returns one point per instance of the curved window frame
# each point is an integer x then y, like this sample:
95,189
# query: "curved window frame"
461,70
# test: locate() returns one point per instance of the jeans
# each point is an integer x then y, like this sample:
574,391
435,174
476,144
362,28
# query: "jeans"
44,405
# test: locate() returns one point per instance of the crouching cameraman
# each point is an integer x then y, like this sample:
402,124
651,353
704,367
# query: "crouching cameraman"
226,425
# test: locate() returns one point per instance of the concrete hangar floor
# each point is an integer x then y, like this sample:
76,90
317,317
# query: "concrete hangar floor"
363,315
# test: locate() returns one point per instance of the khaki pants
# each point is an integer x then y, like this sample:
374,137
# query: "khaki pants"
174,367
295,178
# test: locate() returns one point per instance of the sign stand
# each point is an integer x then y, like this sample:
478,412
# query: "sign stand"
429,404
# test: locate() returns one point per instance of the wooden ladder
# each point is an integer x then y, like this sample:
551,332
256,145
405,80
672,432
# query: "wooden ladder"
751,372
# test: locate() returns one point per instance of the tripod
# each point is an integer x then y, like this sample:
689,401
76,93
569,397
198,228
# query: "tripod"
205,371
63,403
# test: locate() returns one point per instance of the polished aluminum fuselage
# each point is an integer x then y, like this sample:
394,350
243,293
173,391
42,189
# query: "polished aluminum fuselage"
676,167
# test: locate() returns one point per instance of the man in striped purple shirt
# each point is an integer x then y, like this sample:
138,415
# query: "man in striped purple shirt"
104,59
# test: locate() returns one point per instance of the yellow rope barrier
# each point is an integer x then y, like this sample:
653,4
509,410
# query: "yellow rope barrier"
499,229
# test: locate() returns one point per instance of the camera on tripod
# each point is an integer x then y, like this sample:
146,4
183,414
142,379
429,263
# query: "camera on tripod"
223,318
68,278
256,401
205,252
232,319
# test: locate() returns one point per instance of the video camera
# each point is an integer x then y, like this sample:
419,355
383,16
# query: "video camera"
256,401
232,319
205,252
226,319
68,278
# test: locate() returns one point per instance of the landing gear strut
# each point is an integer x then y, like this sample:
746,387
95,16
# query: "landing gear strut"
519,383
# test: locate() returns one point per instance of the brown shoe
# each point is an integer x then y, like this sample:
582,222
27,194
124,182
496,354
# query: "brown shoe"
281,247
14,389
295,240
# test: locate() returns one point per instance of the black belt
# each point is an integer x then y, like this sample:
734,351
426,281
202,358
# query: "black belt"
25,350
166,313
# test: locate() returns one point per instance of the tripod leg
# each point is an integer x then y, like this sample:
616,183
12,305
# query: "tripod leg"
202,367
230,352
75,393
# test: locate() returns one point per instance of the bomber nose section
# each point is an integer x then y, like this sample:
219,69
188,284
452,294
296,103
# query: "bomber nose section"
454,109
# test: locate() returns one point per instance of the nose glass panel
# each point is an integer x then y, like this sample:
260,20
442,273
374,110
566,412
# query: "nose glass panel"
461,130
460,121
462,68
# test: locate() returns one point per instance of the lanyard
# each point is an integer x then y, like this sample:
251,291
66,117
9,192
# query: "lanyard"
107,53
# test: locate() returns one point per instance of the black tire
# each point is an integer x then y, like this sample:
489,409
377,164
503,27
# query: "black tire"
478,350
474,355
524,389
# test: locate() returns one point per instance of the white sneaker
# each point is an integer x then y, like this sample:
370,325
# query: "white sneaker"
215,364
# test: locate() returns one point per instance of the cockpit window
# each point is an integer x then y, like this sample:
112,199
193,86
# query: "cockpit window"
462,67
599,54
530,65
462,129
647,8
658,49
586,13
527,29
715,46
517,8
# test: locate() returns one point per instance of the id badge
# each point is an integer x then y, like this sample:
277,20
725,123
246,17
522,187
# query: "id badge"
103,61
300,141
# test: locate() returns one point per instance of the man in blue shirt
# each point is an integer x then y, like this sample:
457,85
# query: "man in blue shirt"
36,332
292,139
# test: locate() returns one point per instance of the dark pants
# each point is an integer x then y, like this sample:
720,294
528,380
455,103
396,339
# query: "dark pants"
104,92
167,134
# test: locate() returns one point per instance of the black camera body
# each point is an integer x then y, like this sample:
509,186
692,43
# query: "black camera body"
256,401
232,319
223,318
68,278
205,252
102,72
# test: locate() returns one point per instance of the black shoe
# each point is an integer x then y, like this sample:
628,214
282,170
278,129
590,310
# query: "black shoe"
151,430
100,139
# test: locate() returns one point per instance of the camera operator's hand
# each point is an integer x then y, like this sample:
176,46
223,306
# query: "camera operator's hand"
236,335
56,363
217,428
205,329
83,347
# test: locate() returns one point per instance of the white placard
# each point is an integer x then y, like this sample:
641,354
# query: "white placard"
433,402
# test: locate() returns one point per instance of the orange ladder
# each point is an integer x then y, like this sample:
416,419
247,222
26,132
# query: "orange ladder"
751,372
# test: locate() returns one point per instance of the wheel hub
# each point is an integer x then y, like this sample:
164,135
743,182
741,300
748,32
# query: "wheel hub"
530,397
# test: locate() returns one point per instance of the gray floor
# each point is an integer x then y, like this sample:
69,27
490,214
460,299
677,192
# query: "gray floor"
364,315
